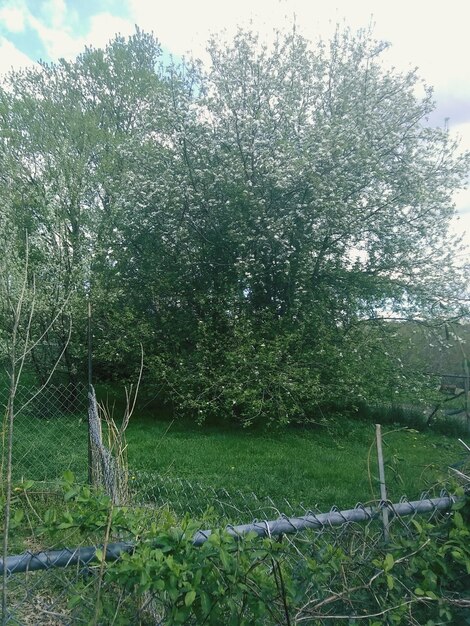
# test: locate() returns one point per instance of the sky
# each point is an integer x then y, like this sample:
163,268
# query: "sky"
430,36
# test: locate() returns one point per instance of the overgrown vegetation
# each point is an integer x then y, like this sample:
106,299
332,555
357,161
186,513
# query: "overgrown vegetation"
421,576
273,228
319,467
260,224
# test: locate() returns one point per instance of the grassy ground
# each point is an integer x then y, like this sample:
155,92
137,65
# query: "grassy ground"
319,468
43,449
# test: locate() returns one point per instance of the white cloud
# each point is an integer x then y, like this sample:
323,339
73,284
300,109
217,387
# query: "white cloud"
60,40
461,226
185,26
104,27
57,42
12,18
462,201
56,28
11,57
431,36
51,27
55,12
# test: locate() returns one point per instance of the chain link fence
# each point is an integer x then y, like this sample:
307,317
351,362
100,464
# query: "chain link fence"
61,586
69,580
50,431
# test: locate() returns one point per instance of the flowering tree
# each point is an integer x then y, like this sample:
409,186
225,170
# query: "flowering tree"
62,128
269,212
305,200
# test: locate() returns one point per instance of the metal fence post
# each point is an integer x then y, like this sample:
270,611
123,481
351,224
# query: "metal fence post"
383,488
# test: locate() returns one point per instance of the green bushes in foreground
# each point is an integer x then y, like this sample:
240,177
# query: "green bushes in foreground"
421,576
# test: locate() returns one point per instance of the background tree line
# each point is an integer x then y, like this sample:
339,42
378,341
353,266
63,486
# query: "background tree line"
259,224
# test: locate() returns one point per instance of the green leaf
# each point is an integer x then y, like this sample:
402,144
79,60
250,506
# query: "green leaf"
68,476
225,559
71,493
24,485
458,520
16,518
189,597
206,603
74,601
389,562
417,525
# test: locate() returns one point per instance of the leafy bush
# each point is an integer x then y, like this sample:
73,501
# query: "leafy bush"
421,576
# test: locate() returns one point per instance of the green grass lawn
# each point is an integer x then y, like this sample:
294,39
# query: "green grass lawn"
44,449
319,468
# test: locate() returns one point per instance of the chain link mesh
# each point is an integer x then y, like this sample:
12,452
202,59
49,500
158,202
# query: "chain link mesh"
65,588
49,425
49,584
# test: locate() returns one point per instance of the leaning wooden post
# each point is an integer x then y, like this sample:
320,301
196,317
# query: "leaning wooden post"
383,488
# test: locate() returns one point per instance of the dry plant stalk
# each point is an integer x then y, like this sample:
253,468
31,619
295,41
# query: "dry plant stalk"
462,472
110,463
17,358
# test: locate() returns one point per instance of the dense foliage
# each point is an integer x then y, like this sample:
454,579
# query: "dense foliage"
252,223
421,576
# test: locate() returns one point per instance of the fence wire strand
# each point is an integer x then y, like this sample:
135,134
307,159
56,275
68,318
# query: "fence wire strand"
59,584
43,586
48,425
